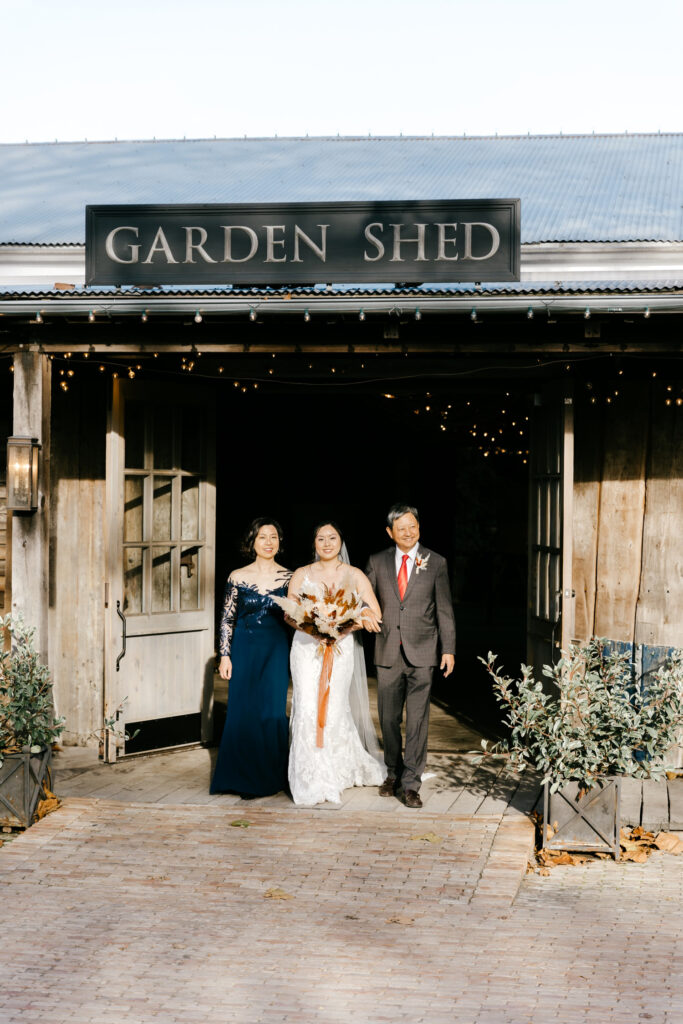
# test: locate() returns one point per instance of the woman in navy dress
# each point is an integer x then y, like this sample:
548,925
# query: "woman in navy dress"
254,657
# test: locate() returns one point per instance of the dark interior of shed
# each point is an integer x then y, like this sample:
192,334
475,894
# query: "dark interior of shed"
456,450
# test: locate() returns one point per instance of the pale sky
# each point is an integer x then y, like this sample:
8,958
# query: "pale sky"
135,69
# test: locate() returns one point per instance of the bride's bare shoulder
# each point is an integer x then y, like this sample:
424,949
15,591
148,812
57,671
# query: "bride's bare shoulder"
300,574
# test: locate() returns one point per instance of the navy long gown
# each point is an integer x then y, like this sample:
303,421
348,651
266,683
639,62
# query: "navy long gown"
252,758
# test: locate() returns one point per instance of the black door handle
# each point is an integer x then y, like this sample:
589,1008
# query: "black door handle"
123,638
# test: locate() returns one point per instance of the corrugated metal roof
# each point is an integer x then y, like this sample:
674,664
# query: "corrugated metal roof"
582,188
520,288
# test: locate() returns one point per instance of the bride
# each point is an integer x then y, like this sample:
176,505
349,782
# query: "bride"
350,754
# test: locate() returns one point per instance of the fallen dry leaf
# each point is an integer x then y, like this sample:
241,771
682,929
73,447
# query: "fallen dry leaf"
277,894
240,823
552,857
428,837
668,842
636,856
46,806
630,846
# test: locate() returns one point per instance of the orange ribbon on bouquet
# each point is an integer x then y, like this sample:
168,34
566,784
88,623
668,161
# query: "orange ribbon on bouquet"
324,692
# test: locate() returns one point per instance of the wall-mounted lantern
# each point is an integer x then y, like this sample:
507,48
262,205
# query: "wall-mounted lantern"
22,473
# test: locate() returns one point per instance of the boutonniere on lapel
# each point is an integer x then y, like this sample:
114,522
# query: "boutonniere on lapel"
421,562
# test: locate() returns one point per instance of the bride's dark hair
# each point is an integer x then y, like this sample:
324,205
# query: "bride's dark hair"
335,526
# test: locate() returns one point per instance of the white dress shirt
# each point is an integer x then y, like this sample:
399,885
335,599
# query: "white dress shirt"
412,555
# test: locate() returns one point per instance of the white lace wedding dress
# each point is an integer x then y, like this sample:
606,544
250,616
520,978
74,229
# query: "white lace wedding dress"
319,774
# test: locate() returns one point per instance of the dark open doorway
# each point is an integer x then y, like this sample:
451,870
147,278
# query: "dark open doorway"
458,451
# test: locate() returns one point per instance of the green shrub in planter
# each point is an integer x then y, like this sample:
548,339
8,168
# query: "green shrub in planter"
28,727
595,723
595,720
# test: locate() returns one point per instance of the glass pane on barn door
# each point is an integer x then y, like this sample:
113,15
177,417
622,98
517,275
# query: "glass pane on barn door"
190,527
133,508
133,567
161,579
162,508
189,578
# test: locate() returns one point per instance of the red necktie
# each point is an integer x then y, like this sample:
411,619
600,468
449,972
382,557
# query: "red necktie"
403,577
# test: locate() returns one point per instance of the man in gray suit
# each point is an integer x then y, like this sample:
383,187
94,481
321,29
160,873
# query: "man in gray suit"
413,589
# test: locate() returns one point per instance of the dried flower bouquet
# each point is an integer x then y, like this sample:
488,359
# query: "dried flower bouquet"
328,614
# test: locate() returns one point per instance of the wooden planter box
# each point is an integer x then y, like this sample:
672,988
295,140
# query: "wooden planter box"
21,786
583,820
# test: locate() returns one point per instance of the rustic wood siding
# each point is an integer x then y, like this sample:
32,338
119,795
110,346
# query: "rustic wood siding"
659,618
77,567
587,481
5,516
628,518
5,552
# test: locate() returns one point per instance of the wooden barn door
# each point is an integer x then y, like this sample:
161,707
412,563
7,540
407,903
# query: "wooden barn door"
160,589
550,605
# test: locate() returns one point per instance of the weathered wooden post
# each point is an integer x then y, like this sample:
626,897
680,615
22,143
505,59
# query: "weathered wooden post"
31,531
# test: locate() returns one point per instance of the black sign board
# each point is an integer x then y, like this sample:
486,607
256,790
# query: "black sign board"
304,243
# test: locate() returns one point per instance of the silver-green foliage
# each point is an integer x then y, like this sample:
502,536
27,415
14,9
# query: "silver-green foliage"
26,707
596,719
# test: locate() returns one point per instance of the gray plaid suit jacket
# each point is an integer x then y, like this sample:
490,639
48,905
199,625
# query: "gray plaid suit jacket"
423,621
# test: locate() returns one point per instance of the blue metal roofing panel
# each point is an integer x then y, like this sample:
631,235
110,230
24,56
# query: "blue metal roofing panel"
582,188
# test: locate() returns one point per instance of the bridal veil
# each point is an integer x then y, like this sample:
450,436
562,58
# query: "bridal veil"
359,700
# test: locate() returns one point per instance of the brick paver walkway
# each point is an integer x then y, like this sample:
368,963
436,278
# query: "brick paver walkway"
135,913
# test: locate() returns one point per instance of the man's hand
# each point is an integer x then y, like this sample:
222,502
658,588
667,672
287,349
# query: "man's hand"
371,622
225,667
447,663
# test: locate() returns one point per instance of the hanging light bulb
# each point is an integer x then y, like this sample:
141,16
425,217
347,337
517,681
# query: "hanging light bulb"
144,316
646,313
587,313
197,317
252,315
473,316
418,314
39,318
361,314
307,316
530,313
91,317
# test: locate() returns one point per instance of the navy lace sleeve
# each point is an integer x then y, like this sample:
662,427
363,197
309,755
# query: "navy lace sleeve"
227,618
